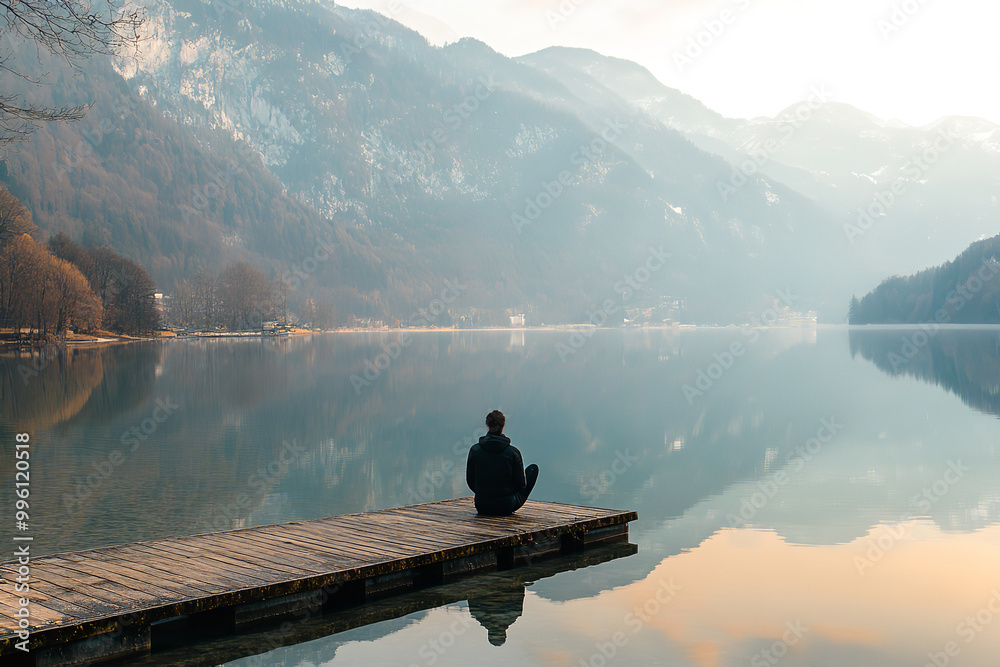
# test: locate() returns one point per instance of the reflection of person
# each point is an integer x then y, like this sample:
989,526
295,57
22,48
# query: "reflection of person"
495,471
497,611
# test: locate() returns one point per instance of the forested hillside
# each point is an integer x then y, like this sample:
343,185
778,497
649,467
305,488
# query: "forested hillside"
340,152
963,291
175,199
273,130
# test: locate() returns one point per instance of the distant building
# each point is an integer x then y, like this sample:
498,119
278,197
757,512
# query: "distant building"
517,320
162,304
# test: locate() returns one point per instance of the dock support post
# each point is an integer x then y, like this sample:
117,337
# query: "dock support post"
119,642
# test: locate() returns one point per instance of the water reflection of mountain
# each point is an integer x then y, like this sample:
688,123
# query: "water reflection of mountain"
270,431
966,362
896,443
267,432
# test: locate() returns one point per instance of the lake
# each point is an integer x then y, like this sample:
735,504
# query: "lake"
805,497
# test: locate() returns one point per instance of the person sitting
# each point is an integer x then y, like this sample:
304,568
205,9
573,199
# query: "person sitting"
495,471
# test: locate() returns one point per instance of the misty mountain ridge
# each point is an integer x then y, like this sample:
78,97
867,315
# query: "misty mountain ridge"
530,146
836,154
424,163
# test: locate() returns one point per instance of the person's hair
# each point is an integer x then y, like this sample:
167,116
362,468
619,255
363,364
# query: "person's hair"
495,421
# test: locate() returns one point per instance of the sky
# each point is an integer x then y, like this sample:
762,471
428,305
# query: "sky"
909,60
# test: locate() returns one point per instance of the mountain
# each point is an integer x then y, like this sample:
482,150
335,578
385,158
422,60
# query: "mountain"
843,158
439,156
963,291
176,198
270,130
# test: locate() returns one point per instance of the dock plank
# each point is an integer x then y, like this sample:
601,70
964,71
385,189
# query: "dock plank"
254,557
332,551
374,541
271,547
90,602
216,558
122,576
159,564
78,595
202,569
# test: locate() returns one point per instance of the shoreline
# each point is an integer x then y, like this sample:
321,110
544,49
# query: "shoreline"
89,341
112,339
582,327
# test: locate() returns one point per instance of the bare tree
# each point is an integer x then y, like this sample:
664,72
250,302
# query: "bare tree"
15,219
183,307
74,300
134,311
279,299
245,295
104,274
18,263
307,312
41,291
325,312
73,30
205,298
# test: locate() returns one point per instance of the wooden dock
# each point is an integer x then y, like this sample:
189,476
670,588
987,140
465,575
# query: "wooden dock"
115,601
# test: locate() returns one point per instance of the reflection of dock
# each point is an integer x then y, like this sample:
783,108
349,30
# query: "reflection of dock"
121,600
209,651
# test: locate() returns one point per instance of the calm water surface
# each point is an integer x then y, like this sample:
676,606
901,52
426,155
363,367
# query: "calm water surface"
821,498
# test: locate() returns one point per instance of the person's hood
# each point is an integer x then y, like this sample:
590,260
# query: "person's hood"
494,443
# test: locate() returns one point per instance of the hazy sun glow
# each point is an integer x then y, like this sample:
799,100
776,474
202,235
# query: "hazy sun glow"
891,597
747,588
912,60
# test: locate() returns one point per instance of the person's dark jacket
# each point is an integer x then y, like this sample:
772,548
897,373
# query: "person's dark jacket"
495,473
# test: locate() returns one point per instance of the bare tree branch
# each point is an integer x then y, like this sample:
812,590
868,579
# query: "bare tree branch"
71,29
